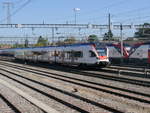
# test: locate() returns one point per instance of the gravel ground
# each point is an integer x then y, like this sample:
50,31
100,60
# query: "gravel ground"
99,80
101,98
129,76
77,102
4,107
20,103
131,87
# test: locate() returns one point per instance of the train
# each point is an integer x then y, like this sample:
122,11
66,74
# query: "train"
137,54
115,55
85,54
140,54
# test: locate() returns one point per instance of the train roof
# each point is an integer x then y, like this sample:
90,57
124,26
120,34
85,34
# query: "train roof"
117,45
70,45
139,44
136,46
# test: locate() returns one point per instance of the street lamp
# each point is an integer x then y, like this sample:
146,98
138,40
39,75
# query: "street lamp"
75,14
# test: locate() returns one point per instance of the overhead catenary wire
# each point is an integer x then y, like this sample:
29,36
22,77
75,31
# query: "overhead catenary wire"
18,1
98,10
94,11
17,10
130,11
135,18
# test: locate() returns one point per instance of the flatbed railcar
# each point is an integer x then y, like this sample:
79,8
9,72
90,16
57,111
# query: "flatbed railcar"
87,54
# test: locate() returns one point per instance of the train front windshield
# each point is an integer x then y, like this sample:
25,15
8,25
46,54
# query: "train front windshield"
102,52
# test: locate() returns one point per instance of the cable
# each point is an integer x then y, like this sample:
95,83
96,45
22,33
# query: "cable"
17,10
135,18
130,12
96,10
127,12
100,9
18,1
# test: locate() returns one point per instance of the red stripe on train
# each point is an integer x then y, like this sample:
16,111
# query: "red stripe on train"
102,57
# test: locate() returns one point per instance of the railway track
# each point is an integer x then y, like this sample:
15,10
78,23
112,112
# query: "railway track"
44,73
79,85
129,80
7,106
18,102
138,71
61,101
43,93
143,72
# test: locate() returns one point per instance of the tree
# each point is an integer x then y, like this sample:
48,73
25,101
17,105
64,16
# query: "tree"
17,45
42,42
70,40
26,43
143,32
108,36
92,38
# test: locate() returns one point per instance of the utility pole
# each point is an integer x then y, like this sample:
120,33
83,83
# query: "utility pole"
75,14
53,34
8,6
109,26
121,35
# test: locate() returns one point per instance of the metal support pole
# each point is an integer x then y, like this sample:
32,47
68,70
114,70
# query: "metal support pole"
75,14
121,34
52,34
8,6
75,17
109,27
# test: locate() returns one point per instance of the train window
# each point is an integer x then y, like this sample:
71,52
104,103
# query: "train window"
62,54
68,54
52,53
78,54
102,52
57,53
92,54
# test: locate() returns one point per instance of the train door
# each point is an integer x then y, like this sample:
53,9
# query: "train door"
62,56
55,54
72,57
92,57
68,57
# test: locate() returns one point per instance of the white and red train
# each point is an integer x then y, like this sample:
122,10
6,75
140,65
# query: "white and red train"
115,52
136,54
140,53
77,54
87,54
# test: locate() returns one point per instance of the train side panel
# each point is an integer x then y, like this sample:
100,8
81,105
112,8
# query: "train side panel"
78,54
140,55
115,53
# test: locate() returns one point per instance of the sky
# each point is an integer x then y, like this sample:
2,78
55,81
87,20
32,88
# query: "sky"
61,11
93,11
